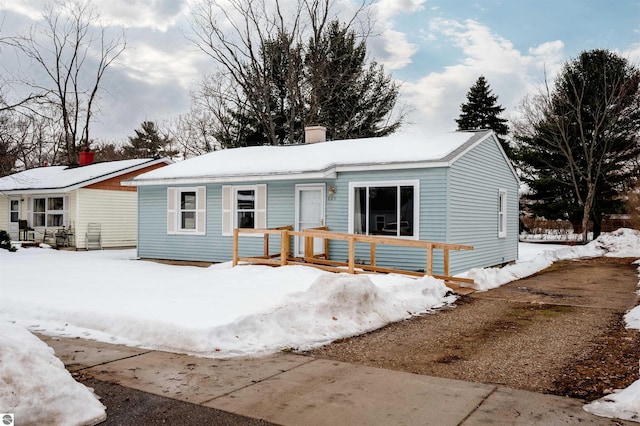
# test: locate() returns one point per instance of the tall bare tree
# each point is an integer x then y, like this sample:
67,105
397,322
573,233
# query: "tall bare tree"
284,65
579,145
73,50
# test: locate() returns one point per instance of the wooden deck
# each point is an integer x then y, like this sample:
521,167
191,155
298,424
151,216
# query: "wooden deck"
322,260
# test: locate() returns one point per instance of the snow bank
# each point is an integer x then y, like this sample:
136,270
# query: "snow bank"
36,387
621,243
622,404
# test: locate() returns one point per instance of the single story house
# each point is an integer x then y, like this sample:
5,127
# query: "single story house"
47,200
457,188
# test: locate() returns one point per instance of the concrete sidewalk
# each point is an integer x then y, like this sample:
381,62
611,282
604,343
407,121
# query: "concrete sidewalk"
291,389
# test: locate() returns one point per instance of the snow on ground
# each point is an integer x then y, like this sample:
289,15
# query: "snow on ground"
35,386
222,311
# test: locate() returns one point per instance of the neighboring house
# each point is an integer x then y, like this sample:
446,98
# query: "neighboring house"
456,188
47,199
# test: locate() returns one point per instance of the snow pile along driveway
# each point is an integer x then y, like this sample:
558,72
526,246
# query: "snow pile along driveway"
36,387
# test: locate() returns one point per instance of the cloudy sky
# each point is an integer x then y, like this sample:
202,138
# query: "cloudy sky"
436,48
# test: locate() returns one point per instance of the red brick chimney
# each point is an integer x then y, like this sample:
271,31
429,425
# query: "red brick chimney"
85,157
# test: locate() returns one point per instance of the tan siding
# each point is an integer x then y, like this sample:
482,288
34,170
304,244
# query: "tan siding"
116,211
4,212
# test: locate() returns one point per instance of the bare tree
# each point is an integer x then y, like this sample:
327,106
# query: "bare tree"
275,71
580,142
74,51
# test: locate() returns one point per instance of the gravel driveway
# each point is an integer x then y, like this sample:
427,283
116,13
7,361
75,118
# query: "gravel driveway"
559,331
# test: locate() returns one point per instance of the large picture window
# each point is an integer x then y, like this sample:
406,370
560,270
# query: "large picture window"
48,212
389,209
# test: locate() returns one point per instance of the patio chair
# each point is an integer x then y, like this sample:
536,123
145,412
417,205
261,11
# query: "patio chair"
26,233
93,237
48,235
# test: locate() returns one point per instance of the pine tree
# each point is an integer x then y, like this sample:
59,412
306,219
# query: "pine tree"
481,111
578,150
149,143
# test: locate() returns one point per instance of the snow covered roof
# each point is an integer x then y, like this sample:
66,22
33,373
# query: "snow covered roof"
65,178
315,161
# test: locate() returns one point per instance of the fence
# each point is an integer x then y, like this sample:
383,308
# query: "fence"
321,260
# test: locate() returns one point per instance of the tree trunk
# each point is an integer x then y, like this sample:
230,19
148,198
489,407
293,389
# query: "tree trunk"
588,202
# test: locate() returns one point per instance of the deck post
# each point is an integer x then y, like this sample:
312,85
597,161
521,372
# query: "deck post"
430,260
284,247
266,245
372,254
446,262
352,255
235,247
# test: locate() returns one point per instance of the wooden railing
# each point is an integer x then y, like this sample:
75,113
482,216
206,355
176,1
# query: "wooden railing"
322,261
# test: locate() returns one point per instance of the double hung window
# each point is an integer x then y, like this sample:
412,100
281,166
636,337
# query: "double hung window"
244,206
186,211
502,213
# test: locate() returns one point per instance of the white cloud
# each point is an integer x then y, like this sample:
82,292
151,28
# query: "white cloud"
392,49
154,65
30,8
155,14
632,54
389,8
437,96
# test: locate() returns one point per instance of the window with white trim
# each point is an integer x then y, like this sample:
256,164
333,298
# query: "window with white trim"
384,208
502,213
244,206
186,211
48,211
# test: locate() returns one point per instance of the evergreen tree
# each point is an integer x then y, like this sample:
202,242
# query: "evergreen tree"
580,146
481,111
149,143
325,81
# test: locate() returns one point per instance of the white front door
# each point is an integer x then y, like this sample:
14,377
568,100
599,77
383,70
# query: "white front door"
309,214
14,217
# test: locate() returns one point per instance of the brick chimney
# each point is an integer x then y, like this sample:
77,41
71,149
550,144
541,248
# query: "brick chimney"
85,157
313,134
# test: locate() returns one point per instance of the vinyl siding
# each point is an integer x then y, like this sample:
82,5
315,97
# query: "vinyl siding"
212,247
432,218
475,181
4,212
115,211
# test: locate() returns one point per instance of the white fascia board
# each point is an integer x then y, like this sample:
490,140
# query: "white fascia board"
392,166
326,174
37,191
330,174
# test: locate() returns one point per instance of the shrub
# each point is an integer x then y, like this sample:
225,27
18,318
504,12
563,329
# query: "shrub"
5,241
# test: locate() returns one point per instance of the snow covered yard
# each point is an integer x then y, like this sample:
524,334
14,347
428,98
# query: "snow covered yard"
222,311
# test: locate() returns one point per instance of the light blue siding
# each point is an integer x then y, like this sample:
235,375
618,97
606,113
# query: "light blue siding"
475,181
458,204
432,217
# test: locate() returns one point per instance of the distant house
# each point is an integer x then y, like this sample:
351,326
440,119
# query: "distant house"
47,200
457,188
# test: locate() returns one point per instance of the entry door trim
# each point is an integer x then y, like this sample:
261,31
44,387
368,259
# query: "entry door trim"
298,247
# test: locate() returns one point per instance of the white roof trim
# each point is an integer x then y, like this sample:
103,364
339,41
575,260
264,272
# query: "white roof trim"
72,187
330,173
